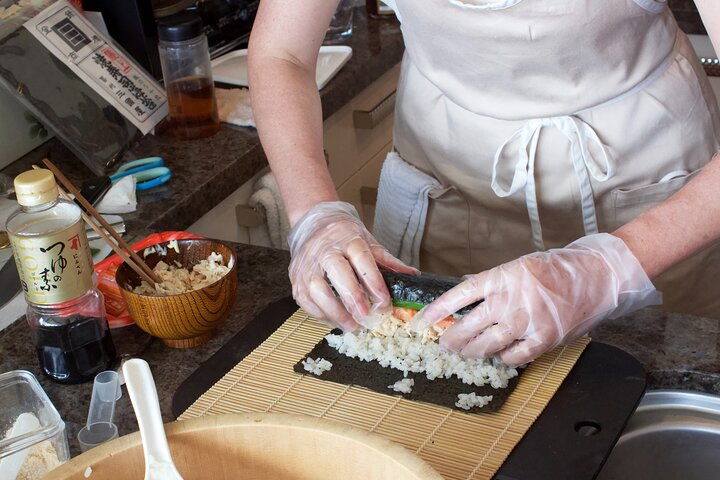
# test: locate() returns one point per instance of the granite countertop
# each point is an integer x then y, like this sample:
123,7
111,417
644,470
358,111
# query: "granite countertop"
206,171
262,279
677,351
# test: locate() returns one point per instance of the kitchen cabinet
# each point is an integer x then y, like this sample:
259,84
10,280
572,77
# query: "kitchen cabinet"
357,138
361,188
221,222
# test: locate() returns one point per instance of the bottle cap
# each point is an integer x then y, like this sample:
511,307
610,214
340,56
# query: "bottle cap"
35,187
180,27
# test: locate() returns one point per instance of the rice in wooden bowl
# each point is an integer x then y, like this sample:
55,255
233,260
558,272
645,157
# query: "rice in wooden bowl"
182,317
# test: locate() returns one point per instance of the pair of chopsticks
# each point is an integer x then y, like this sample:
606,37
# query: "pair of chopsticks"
117,243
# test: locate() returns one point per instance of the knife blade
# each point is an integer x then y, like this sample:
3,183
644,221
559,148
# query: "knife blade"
9,282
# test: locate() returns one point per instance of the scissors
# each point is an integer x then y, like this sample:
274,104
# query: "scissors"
149,172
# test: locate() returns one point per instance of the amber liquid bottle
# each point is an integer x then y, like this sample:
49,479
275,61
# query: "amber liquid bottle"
193,111
188,76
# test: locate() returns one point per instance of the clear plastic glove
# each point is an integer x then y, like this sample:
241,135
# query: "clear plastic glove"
330,243
540,300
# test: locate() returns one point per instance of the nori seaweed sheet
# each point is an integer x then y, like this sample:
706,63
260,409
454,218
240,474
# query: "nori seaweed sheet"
441,391
423,289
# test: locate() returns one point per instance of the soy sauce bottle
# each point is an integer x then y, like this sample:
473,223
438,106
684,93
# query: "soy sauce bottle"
65,310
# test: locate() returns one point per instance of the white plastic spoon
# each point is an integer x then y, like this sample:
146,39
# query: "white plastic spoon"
141,387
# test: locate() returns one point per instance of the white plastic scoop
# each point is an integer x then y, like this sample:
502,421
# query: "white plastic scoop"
141,387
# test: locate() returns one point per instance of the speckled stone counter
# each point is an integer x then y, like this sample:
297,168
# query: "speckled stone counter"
262,279
676,350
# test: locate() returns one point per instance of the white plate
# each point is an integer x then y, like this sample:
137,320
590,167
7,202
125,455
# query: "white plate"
232,67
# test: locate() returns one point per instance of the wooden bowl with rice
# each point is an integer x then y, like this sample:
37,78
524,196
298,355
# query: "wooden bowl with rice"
180,317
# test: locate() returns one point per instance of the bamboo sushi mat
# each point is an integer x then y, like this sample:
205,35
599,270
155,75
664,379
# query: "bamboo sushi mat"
458,445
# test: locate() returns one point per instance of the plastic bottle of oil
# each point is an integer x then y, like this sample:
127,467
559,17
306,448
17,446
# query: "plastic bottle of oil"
65,310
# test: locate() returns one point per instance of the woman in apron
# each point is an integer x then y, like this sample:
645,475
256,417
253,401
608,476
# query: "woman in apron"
561,148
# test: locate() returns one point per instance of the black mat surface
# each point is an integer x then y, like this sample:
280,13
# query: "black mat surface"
371,375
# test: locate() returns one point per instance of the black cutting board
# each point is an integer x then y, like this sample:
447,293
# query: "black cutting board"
570,440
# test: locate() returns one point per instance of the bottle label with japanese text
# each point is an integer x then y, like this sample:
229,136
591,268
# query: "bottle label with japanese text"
110,72
54,268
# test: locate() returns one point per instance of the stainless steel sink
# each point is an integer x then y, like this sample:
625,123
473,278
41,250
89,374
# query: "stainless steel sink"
673,435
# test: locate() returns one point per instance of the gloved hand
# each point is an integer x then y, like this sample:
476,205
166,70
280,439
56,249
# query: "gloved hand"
540,300
330,243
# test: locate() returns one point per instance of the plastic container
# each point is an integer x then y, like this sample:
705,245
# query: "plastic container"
20,393
187,74
65,313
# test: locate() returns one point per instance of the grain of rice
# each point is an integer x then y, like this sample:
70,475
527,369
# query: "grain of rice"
403,386
466,401
316,366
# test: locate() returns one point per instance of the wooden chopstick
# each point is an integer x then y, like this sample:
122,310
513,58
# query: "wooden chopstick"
107,239
121,244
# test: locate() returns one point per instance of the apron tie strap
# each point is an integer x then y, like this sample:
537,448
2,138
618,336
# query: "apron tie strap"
580,135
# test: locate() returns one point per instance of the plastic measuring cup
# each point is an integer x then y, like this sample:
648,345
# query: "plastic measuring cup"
100,427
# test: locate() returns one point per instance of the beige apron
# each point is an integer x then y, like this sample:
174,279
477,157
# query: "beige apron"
541,121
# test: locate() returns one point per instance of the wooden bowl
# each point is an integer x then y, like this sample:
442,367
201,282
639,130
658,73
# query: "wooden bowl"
187,319
257,446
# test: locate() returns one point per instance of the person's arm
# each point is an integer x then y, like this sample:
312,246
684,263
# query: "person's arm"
328,242
680,226
690,219
541,299
282,58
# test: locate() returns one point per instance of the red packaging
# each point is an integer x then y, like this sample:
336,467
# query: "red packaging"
115,307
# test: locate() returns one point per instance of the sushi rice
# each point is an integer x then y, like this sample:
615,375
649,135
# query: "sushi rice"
394,345
403,386
466,401
316,366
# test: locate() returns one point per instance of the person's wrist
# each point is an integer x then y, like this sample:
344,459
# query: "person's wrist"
297,209
321,215
634,288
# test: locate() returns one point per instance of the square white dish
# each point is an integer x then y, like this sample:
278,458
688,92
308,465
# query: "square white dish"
232,67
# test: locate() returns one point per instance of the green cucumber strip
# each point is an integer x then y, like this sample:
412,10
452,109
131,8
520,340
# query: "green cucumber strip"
407,304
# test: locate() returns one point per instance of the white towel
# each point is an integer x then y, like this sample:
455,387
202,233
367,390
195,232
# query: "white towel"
234,106
274,231
401,208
